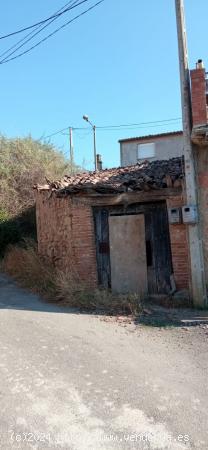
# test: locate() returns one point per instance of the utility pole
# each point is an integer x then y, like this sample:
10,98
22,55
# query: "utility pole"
71,148
195,245
95,148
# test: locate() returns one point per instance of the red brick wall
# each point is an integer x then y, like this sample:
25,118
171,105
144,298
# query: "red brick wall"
202,163
198,94
66,235
179,248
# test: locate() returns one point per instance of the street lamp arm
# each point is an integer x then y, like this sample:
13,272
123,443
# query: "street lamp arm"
93,126
86,118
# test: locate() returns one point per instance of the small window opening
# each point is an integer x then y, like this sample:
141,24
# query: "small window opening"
146,150
149,253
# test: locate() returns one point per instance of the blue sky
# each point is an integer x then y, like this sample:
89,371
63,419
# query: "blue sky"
118,64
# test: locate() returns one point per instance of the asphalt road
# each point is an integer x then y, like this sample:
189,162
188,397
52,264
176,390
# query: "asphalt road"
76,381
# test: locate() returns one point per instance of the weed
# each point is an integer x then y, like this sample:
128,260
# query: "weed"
32,271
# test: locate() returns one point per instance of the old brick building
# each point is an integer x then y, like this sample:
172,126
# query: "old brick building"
127,228
113,228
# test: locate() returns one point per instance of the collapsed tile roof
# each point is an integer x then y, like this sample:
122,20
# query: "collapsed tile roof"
143,176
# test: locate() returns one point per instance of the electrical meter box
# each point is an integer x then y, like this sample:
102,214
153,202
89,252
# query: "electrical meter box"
190,214
174,215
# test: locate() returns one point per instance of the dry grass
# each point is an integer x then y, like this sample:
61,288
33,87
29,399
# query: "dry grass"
31,271
24,265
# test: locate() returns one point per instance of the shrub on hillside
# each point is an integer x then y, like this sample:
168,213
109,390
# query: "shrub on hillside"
3,216
23,163
15,229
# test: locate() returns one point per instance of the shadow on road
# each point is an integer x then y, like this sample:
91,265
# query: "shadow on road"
14,297
160,317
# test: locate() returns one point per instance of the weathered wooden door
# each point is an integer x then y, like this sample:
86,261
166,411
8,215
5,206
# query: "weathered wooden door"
162,250
102,246
159,260
128,254
155,259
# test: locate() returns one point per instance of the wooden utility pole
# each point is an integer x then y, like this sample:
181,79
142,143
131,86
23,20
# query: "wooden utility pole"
95,148
195,244
71,148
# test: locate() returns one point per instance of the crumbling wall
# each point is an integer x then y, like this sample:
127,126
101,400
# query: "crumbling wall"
66,235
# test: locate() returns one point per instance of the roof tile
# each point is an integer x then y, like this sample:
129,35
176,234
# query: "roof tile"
142,176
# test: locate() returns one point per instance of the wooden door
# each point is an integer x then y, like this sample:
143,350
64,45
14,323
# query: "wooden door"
128,254
159,259
162,250
102,247
158,263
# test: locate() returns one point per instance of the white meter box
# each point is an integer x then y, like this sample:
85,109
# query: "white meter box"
190,214
174,215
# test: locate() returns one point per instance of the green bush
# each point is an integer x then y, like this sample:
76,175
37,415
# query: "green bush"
4,216
15,229
23,163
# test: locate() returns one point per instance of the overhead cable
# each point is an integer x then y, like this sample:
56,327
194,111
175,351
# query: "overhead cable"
4,61
7,59
155,124
37,28
56,15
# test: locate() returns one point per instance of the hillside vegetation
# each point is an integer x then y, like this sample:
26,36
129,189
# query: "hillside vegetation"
23,163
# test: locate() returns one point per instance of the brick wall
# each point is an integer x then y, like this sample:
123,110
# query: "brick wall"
66,235
179,248
198,94
202,162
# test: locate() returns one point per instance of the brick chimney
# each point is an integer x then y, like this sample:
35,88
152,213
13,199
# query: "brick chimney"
99,162
198,95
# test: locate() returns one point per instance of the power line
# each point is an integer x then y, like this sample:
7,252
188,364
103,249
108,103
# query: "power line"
56,15
56,132
53,33
138,127
141,123
164,122
36,33
38,27
133,125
